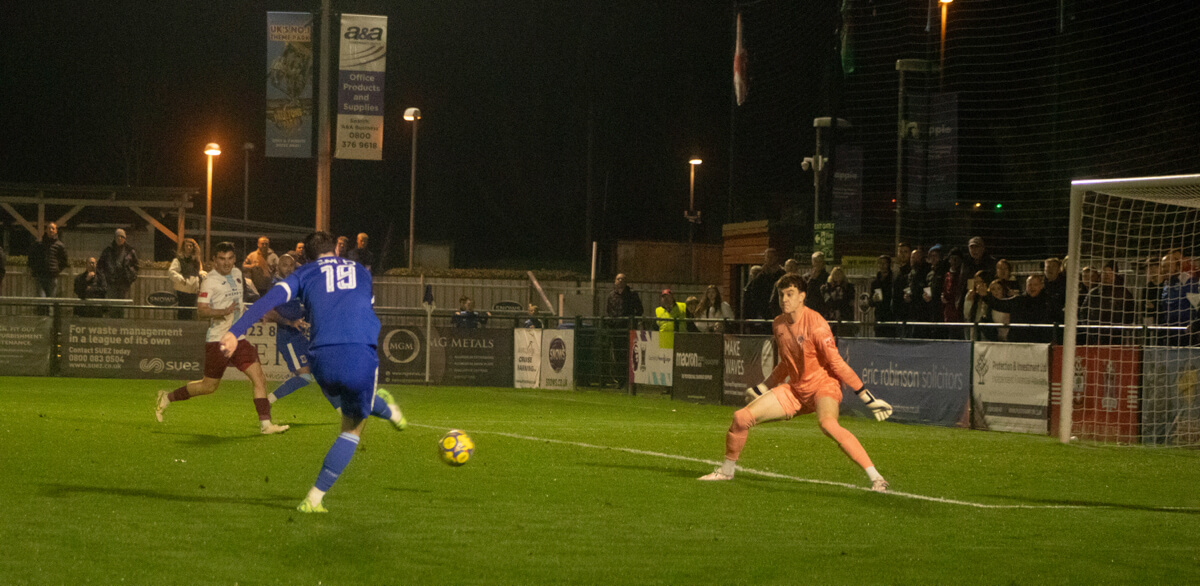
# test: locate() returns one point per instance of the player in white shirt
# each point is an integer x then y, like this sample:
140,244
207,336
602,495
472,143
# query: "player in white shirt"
221,302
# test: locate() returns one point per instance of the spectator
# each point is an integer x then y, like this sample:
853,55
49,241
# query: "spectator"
47,259
817,278
900,283
466,317
838,296
343,247
1056,281
938,266
693,311
622,303
881,297
978,259
118,267
1175,308
900,261
976,310
1151,292
532,320
761,289
89,285
951,284
298,253
260,265
670,314
1107,304
1030,307
918,294
362,255
714,308
186,273
1004,274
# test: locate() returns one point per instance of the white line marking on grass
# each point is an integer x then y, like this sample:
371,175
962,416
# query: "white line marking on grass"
769,474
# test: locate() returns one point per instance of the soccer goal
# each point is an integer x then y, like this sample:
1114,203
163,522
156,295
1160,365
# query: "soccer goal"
1130,359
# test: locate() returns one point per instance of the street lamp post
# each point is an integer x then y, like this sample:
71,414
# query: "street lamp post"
412,115
942,47
211,149
246,188
693,216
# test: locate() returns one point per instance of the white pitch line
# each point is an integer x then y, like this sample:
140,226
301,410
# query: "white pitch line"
777,475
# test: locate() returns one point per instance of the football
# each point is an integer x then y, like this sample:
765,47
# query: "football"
456,447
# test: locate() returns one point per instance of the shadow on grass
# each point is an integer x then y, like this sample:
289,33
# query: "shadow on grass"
1103,505
204,440
68,490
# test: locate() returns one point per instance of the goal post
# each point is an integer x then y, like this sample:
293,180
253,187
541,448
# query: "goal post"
1129,370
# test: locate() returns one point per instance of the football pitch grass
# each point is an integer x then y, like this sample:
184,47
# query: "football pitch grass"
564,487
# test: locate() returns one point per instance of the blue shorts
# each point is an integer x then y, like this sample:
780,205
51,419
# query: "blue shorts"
293,347
347,371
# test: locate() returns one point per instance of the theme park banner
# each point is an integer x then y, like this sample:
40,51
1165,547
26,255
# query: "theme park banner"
1170,405
926,382
650,363
106,348
360,87
1105,400
527,359
472,357
749,360
1011,387
698,368
25,344
289,84
558,359
402,355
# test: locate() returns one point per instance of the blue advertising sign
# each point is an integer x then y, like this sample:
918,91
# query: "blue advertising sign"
289,84
926,382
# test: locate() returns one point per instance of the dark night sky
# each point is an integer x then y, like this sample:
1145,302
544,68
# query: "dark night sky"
128,92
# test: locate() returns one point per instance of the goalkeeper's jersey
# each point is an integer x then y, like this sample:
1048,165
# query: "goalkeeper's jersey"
808,355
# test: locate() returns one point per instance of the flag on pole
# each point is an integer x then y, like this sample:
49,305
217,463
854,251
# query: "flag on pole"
739,65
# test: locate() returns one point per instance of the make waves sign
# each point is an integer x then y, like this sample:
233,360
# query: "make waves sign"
926,382
108,348
749,360
558,359
401,355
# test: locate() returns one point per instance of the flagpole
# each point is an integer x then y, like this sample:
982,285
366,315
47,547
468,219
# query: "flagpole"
324,159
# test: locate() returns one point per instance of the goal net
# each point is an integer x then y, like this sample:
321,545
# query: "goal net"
1130,359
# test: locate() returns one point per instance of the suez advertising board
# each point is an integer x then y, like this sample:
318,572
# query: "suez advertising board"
926,382
1011,387
25,344
463,357
698,368
105,348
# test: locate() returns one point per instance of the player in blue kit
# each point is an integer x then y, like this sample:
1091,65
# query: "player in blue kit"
344,333
291,341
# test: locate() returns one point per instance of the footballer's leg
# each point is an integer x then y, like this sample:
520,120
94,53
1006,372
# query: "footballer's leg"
827,417
385,407
261,405
350,379
196,388
297,363
768,407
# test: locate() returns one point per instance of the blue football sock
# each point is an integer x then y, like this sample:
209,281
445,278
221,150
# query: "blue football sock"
290,386
380,409
336,460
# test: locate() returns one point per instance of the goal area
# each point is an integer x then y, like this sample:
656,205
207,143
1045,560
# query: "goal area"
1130,358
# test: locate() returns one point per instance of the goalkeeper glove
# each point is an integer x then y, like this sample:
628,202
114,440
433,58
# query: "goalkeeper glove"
757,391
880,408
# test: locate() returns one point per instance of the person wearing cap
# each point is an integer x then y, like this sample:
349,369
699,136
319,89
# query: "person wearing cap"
671,316
118,264
978,259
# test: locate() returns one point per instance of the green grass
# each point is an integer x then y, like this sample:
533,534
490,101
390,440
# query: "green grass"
94,491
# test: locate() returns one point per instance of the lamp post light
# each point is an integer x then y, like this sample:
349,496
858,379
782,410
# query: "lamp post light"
693,216
412,115
942,48
211,149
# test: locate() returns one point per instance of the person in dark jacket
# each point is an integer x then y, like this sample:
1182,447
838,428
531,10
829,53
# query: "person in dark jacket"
1110,303
466,317
622,302
880,296
47,259
918,295
89,285
978,259
1030,307
118,266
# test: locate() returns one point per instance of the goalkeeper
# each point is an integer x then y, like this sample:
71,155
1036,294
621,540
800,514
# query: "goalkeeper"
810,362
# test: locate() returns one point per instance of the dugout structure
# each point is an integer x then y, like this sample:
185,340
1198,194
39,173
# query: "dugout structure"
1129,359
